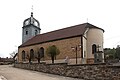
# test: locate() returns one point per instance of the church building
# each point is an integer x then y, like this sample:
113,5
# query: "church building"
80,44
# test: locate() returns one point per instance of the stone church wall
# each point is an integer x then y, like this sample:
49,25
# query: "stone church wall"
64,45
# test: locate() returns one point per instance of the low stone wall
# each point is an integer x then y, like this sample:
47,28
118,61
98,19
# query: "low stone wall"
85,71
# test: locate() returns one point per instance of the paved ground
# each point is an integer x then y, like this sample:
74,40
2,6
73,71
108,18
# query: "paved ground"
7,72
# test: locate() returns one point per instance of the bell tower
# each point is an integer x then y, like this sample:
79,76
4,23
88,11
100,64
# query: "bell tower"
31,28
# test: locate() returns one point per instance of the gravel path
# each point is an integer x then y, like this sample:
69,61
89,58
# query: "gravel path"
7,72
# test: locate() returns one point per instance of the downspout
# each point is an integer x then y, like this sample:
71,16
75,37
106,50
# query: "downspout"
82,54
82,46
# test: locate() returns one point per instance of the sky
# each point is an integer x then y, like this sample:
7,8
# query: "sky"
57,14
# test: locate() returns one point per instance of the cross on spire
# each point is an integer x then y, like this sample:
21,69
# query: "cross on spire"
32,8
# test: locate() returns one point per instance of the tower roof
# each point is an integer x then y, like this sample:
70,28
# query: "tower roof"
32,21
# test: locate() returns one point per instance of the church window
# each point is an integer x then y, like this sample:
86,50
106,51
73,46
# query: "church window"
36,32
31,54
23,55
41,52
26,32
94,48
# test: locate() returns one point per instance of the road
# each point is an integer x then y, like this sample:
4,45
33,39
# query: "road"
7,72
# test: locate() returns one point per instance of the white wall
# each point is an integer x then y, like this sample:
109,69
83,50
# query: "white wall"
94,36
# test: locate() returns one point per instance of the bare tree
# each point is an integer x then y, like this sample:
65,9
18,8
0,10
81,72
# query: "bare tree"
29,58
12,54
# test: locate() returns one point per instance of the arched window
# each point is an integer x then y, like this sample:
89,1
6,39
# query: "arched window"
23,55
41,52
31,54
26,32
36,32
94,48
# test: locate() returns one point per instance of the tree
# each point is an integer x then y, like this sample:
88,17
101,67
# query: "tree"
109,53
12,54
117,54
39,54
29,58
112,53
52,51
38,57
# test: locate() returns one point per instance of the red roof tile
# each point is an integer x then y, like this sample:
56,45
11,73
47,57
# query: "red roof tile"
68,32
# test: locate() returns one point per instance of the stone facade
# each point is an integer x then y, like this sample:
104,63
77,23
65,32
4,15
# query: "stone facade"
64,45
85,71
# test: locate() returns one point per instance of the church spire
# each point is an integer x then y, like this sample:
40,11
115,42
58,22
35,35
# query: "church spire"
31,14
31,18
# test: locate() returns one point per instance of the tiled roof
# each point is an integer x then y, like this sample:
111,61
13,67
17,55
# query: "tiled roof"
68,32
